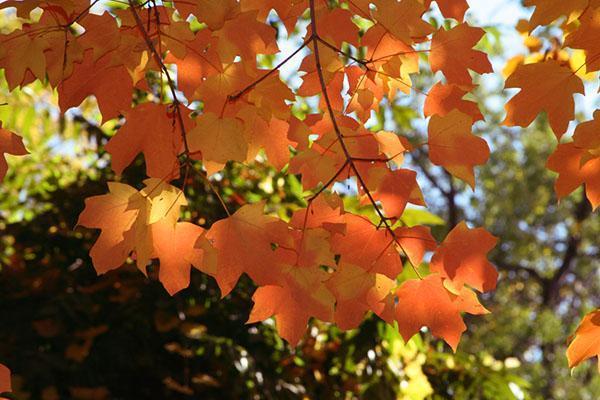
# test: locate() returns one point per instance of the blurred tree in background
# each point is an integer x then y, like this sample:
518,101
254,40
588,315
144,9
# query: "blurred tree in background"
75,335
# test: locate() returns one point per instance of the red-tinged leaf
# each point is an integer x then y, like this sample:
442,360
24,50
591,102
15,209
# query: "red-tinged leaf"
545,86
244,245
393,146
124,216
402,19
453,146
213,13
585,343
218,139
301,292
5,383
245,37
428,303
462,259
10,143
270,136
176,248
356,292
368,247
396,189
97,78
452,53
22,57
567,161
101,34
547,11
336,26
451,8
150,129
587,34
442,99
415,242
325,211
200,61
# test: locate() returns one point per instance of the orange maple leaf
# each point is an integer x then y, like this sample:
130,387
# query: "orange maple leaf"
585,343
451,8
357,291
443,98
547,11
586,35
453,146
440,312
244,245
545,86
567,161
461,258
452,53
10,143
149,130
301,292
97,78
5,384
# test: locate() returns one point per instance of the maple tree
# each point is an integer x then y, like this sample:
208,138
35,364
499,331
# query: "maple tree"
183,78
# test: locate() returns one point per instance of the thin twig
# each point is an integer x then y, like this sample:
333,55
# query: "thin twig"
315,38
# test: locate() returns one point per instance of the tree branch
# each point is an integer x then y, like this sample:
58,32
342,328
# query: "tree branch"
552,287
315,39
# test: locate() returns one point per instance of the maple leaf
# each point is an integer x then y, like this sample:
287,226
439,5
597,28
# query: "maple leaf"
10,143
585,343
364,245
124,216
402,19
453,146
22,57
578,162
245,37
547,11
301,292
452,53
451,8
213,13
396,189
545,86
199,62
415,242
461,258
5,384
176,247
357,291
586,36
219,139
101,34
325,211
97,78
441,312
272,136
443,98
393,146
150,131
567,161
336,26
244,244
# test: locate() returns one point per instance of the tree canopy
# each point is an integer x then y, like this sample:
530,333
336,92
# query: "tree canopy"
352,170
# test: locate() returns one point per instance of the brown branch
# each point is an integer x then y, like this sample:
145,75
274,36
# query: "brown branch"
345,54
159,60
251,86
315,39
552,287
